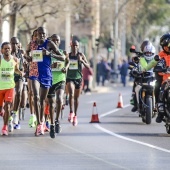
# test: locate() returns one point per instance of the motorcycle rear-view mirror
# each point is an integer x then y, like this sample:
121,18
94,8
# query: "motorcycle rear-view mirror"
132,49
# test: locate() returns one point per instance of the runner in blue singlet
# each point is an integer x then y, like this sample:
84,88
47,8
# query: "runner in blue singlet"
46,49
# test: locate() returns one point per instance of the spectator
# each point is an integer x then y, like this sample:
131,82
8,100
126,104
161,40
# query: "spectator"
123,72
87,72
103,70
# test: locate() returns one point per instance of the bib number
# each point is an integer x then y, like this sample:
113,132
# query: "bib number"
73,65
37,56
6,76
57,66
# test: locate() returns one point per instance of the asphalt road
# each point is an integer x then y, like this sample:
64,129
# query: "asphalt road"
120,141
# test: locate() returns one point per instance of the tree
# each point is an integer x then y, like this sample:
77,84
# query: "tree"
149,21
3,8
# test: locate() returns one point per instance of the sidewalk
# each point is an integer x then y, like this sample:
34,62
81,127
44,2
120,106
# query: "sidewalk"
109,87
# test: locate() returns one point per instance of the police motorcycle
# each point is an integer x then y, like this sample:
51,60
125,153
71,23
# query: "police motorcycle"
144,89
164,95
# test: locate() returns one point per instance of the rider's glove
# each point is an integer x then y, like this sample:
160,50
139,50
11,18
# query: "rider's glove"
134,72
168,70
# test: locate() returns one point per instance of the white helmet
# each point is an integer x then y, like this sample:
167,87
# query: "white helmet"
149,51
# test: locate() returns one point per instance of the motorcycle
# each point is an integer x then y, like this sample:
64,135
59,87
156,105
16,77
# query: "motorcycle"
165,97
144,90
145,96
167,107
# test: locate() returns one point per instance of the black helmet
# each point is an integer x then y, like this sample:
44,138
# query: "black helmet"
165,40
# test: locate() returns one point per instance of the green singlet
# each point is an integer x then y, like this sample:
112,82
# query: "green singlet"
57,74
75,68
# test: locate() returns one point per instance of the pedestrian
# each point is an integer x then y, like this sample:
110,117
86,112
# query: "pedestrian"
74,79
103,70
87,73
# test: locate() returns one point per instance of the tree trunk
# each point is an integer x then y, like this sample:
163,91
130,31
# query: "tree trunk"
0,28
13,29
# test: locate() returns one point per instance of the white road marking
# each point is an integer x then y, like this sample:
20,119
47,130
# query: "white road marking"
125,138
112,111
92,156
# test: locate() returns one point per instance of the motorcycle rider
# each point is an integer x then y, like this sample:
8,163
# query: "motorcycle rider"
142,64
161,77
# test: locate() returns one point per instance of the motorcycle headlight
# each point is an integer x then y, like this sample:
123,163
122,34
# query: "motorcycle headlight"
153,83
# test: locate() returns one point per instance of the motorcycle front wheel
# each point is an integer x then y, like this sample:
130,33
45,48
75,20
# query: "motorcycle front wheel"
149,110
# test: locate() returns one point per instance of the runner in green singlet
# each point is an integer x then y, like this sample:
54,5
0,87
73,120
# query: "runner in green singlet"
59,69
74,79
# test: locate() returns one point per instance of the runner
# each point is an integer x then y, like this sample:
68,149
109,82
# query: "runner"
74,79
24,95
32,74
18,80
43,81
8,64
59,69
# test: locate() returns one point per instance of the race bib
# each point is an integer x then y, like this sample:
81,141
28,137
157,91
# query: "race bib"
6,76
57,66
73,65
37,56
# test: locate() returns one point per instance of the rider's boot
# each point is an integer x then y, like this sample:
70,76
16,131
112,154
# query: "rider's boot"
160,116
135,107
132,99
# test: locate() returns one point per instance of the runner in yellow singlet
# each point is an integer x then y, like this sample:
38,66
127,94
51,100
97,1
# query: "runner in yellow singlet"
8,65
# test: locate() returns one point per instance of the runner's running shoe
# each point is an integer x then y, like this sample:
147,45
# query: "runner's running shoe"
10,124
48,124
52,131
38,130
17,126
46,129
70,117
5,130
57,127
32,121
75,121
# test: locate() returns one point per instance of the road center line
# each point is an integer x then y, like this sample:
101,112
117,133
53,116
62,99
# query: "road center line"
125,138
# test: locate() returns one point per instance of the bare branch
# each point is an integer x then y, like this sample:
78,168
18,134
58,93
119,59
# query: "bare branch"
46,13
120,9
